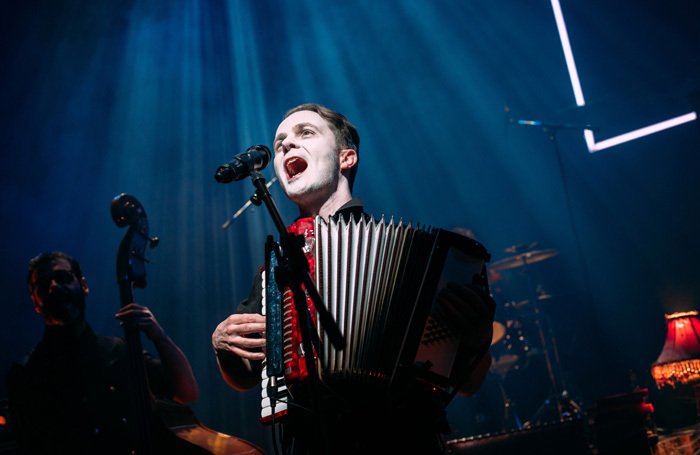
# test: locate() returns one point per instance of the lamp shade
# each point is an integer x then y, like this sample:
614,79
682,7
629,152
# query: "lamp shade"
679,361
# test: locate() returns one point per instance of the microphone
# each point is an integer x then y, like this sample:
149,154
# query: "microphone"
241,166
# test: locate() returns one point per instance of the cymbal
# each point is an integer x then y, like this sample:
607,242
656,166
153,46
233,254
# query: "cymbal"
523,259
499,331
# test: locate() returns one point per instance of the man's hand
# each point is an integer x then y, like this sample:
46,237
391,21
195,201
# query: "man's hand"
230,336
178,371
470,311
140,317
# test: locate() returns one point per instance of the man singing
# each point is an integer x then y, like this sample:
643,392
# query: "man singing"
316,155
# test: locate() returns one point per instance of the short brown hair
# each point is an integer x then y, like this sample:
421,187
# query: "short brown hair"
45,258
346,135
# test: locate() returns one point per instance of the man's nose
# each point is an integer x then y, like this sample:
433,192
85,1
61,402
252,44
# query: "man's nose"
53,284
289,143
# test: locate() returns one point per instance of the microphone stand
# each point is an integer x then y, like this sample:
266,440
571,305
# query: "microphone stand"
294,272
562,395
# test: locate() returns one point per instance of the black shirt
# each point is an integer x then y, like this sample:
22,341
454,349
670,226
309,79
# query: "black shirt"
70,394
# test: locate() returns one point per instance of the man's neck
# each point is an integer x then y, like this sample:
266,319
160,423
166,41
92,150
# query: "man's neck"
73,329
328,207
325,210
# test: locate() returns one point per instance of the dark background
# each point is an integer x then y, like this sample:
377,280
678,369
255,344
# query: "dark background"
149,98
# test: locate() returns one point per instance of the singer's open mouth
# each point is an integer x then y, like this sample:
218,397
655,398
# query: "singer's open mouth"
294,167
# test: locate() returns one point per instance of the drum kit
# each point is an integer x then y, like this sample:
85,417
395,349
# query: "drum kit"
523,348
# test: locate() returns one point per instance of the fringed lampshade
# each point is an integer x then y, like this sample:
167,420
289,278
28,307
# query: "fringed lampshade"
679,361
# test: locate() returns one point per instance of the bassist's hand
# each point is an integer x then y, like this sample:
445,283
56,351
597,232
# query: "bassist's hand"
178,371
140,317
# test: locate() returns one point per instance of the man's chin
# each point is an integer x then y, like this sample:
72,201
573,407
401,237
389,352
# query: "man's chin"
67,315
295,190
304,194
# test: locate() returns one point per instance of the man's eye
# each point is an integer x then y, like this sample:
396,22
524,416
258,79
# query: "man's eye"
306,133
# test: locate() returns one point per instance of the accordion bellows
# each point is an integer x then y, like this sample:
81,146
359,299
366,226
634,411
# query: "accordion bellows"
379,280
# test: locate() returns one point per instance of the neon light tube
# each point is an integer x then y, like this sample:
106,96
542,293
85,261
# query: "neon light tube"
636,134
568,55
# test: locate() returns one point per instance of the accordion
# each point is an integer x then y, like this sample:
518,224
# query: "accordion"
385,284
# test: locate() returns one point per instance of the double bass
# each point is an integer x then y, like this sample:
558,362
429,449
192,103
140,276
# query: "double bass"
158,426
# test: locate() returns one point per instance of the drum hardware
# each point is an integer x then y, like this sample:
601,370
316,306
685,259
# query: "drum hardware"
511,351
558,397
523,348
523,303
517,249
490,410
518,347
539,297
523,259
511,421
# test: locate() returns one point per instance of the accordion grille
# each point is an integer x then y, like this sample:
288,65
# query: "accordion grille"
369,273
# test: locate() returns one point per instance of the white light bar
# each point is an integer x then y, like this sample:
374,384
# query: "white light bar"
564,37
636,134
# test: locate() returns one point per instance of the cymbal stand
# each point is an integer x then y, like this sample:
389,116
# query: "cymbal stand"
511,420
559,396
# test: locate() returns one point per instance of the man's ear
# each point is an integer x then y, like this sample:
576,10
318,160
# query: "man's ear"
83,286
348,159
